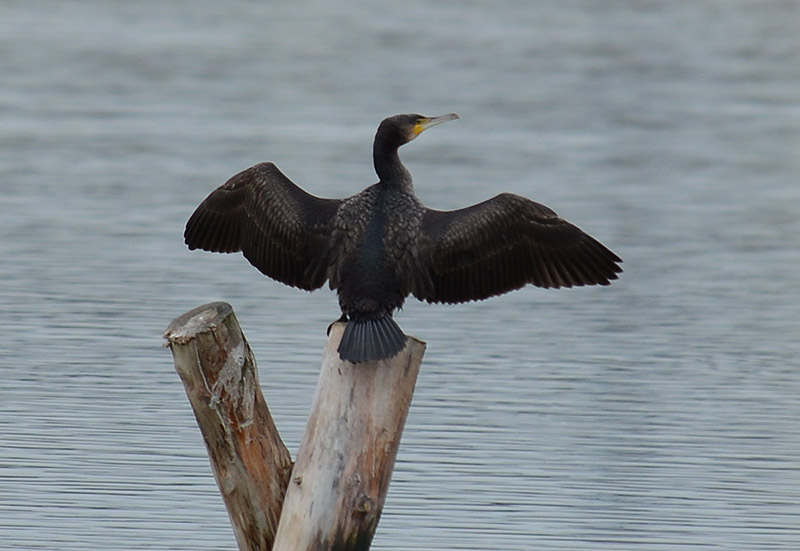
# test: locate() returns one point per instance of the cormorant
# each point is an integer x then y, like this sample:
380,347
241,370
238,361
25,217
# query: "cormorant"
377,247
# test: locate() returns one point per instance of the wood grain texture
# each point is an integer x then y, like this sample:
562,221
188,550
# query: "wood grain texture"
250,462
344,465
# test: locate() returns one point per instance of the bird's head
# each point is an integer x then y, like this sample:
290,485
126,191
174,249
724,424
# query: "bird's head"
400,129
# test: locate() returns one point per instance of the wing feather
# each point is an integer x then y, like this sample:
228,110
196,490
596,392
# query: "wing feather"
281,230
503,244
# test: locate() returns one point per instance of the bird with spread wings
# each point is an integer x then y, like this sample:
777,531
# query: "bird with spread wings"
381,245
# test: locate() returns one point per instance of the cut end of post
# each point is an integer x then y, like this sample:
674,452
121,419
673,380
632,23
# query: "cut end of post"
197,320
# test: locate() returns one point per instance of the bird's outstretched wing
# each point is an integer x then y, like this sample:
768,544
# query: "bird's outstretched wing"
282,230
503,244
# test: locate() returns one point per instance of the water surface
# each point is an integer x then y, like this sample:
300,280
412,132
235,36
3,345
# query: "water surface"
658,413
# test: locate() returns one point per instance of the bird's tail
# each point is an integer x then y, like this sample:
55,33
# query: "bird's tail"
369,340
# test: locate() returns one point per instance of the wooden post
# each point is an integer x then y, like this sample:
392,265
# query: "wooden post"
248,457
345,462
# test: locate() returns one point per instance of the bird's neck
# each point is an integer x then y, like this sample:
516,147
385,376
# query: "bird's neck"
390,169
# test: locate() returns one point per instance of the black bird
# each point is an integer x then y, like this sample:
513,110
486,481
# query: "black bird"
377,247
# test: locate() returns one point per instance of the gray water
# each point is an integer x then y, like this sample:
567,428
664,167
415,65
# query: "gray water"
662,412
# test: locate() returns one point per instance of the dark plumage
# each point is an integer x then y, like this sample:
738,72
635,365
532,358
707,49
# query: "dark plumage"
377,247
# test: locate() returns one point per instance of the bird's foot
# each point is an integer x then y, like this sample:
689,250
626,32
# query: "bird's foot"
342,319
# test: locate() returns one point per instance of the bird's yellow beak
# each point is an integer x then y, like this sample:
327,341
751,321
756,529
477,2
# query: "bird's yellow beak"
426,122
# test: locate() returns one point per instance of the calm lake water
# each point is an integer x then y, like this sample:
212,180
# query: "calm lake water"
660,413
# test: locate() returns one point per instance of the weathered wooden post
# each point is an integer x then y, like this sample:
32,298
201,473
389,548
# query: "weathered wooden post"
339,484
248,457
345,462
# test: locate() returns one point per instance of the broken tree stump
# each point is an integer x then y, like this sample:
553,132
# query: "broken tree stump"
344,465
248,457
